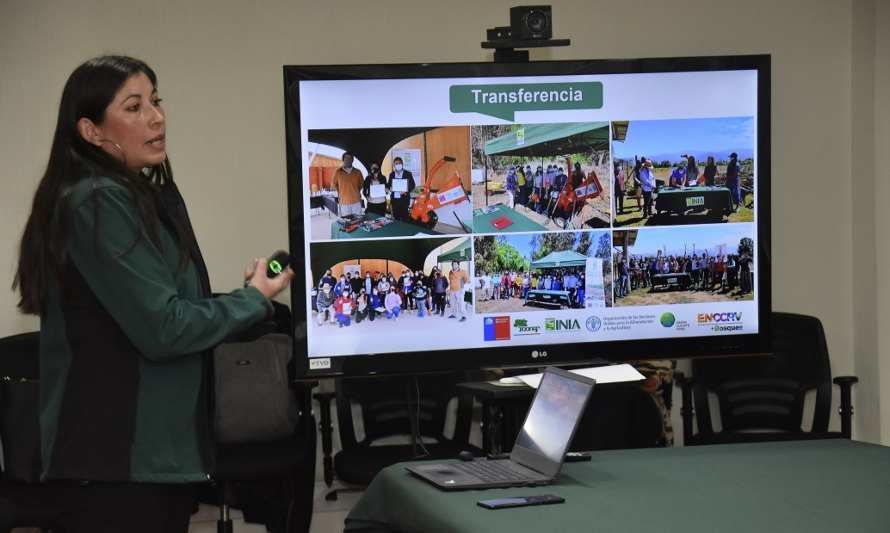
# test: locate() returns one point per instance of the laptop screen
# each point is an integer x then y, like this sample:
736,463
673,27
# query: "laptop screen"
551,420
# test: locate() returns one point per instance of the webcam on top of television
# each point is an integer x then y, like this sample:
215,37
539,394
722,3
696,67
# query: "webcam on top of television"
530,27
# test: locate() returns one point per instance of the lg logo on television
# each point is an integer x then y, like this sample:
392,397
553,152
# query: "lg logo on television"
537,355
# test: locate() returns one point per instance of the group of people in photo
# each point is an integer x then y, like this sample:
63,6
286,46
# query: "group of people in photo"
506,285
722,272
639,181
356,297
538,189
352,187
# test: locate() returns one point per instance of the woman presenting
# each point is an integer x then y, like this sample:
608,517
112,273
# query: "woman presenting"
109,262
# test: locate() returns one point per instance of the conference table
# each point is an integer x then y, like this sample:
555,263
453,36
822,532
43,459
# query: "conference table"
482,220
717,201
801,486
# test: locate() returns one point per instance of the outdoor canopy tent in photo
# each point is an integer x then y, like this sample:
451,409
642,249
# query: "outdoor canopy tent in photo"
410,252
564,258
549,140
461,252
367,145
543,140
624,240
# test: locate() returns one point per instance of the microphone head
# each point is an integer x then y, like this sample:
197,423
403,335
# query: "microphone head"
277,263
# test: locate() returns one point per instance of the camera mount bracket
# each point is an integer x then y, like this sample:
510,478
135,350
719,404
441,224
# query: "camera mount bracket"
530,27
505,51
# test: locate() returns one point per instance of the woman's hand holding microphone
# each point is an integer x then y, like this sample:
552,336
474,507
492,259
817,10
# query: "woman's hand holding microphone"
269,276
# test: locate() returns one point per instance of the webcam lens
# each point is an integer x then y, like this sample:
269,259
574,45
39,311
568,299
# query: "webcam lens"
536,21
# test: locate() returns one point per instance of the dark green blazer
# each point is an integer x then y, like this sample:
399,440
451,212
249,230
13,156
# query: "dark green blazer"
124,348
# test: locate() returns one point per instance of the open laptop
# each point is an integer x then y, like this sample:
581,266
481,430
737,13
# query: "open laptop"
540,447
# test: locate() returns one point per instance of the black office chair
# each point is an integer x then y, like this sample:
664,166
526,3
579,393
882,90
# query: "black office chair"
761,398
413,406
23,501
617,417
271,482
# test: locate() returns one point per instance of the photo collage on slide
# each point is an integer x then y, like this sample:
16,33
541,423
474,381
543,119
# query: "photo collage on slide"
415,231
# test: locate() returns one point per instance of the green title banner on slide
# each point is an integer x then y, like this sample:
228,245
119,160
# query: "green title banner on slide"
502,101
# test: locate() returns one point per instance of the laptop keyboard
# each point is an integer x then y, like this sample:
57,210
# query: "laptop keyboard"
491,471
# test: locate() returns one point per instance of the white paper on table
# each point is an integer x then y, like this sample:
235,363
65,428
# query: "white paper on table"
602,374
378,191
400,185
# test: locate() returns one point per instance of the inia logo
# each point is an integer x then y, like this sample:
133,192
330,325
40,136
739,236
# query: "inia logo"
555,325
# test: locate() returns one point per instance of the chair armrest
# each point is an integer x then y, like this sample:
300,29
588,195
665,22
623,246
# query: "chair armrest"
682,380
324,396
845,381
846,408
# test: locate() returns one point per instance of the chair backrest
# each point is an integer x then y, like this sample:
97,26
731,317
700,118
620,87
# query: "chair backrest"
20,407
767,393
393,405
19,356
619,417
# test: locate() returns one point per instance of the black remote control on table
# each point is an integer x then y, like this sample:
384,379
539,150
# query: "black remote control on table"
521,501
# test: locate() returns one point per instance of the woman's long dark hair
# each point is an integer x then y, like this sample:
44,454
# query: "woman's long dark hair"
88,92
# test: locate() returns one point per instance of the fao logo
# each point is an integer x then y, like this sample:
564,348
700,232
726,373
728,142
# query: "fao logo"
594,324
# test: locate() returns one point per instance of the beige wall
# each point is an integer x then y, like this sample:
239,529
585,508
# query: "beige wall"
220,61
865,323
882,215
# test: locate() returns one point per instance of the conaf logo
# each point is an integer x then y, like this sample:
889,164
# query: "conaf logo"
522,328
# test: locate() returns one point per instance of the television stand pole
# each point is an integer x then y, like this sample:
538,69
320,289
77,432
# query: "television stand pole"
510,55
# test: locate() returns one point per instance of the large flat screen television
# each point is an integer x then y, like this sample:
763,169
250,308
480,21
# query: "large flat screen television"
477,215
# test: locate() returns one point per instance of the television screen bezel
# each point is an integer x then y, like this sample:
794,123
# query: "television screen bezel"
520,356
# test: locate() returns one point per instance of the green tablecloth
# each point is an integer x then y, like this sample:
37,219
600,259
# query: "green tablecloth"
395,228
482,223
717,200
787,487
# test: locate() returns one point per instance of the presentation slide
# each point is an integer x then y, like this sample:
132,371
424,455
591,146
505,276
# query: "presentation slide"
456,213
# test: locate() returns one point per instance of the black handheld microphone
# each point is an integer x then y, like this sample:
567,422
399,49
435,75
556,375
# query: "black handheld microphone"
276,264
